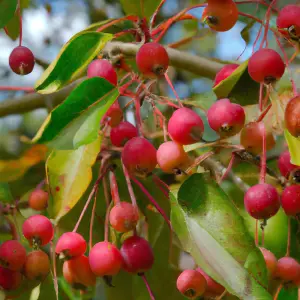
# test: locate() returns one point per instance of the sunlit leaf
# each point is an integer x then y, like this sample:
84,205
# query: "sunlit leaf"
141,8
7,10
294,146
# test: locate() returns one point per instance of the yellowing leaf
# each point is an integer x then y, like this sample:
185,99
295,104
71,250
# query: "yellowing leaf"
294,146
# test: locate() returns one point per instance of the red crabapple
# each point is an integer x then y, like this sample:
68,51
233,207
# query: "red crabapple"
191,283
37,265
105,259
266,66
139,156
252,138
9,280
290,200
270,260
38,200
38,230
102,68
12,255
284,164
225,72
71,244
292,116
122,133
114,115
152,60
137,255
185,126
123,217
171,157
262,201
21,60
287,269
226,118
288,21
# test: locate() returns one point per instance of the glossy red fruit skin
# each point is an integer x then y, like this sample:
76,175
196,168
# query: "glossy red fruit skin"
71,244
78,271
292,116
191,284
225,72
252,138
266,66
226,118
152,60
105,259
122,133
38,229
213,288
37,265
262,201
12,255
123,217
287,269
271,261
290,200
139,156
21,60
38,200
114,115
10,280
137,255
284,164
185,126
102,68
171,157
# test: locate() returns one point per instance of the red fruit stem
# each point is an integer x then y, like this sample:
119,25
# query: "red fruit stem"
278,291
112,23
14,233
137,103
257,2
106,192
148,287
21,23
154,16
199,160
261,92
160,187
54,274
106,225
288,247
114,188
129,185
256,232
167,101
222,295
17,88
262,236
263,159
161,182
124,32
173,89
229,167
41,184
264,113
257,37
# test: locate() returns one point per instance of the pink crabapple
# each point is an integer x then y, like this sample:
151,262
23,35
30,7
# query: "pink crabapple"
292,116
290,200
37,265
287,269
288,21
284,164
122,133
12,255
10,280
225,72
270,260
21,60
114,115
38,200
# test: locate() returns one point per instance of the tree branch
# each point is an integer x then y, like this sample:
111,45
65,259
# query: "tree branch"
182,60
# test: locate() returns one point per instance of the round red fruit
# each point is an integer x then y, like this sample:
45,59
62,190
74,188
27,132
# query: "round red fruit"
270,260
226,118
122,133
123,217
10,280
262,201
38,200
38,230
71,244
288,21
292,116
12,255
225,72
290,200
21,60
191,284
152,60
137,255
105,259
185,126
266,66
284,164
288,269
37,265
114,115
102,68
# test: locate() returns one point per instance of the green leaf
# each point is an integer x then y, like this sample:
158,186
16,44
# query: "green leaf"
5,193
294,146
7,11
245,33
75,122
72,61
69,174
141,8
239,87
212,231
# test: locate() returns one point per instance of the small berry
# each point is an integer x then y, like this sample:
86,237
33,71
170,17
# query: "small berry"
284,164
10,280
12,255
225,72
102,68
114,115
271,261
38,200
290,200
152,60
266,66
139,156
105,259
226,118
77,271
137,255
21,60
287,269
122,133
71,244
292,116
171,157
185,126
123,217
288,21
262,201
38,230
252,138
37,265
191,284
